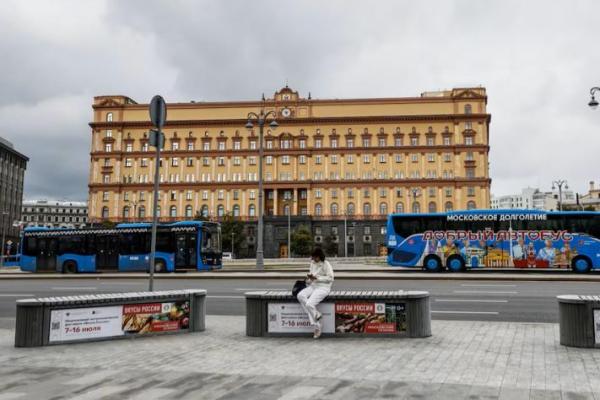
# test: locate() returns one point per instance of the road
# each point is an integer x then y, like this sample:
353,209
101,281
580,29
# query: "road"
518,301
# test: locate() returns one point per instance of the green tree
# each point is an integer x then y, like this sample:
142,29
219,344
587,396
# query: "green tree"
330,247
229,225
200,217
108,224
302,241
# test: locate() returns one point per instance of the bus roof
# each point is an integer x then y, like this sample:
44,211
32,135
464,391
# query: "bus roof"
172,224
498,211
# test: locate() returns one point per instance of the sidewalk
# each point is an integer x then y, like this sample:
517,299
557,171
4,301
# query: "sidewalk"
476,360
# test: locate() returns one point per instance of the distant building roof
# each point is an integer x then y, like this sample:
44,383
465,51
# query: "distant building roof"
7,145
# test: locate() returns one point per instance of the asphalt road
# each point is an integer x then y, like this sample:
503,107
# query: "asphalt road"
458,300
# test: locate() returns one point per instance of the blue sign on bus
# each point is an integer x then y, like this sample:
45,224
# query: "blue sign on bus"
458,240
182,245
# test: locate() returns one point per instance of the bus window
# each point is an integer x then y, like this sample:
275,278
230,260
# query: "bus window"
165,242
30,248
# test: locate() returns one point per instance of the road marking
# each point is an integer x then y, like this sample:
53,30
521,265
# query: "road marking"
258,288
486,285
483,292
225,297
16,295
471,301
75,288
123,283
466,312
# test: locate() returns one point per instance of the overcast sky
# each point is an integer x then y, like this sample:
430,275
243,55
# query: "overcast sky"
537,59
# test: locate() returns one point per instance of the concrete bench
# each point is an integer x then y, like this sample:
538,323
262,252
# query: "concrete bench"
56,320
345,313
579,319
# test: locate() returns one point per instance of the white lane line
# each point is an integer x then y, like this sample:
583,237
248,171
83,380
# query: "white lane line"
74,288
16,295
466,312
225,297
470,301
486,285
484,292
258,288
122,283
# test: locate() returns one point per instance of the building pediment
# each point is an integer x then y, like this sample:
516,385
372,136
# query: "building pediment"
467,94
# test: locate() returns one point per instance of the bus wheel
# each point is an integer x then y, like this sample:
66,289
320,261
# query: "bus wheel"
69,267
455,263
159,266
581,265
432,263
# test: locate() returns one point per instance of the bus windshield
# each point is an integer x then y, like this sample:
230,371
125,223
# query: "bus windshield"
211,238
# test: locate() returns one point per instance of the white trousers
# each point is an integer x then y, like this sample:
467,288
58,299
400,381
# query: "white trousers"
309,298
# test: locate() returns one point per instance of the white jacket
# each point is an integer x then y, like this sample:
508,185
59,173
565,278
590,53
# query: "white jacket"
324,273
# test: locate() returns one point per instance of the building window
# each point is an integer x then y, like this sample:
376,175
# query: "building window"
468,109
106,179
383,210
108,147
221,145
318,193
468,125
432,207
470,172
252,195
416,207
189,195
414,158
366,159
318,209
220,194
398,158
399,207
470,191
414,141
366,142
269,160
382,158
367,209
350,143
366,193
220,211
237,145
190,162
104,212
448,206
334,143
318,159
204,211
334,209
253,145
318,143
109,117
251,210
128,162
430,141
302,144
302,159
188,211
269,144
382,142
350,209
236,210
350,159
221,161
471,205
173,195
175,145
285,160
175,162
206,146
142,212
334,159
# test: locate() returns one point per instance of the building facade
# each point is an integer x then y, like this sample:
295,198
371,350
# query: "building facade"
54,214
12,175
534,198
592,197
363,158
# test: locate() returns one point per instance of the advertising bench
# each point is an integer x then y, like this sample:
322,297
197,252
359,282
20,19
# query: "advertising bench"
579,319
382,313
72,319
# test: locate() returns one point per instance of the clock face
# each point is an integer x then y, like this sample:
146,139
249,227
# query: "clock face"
286,112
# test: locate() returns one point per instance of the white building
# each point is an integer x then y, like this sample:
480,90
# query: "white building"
51,214
592,198
533,198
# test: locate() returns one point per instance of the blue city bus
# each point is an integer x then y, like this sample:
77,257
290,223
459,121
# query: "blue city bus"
473,239
186,245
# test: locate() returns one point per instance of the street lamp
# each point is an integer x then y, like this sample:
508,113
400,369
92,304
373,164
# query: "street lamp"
260,119
560,183
232,235
415,193
593,102
3,237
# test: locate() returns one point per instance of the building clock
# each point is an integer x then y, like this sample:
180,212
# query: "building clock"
286,112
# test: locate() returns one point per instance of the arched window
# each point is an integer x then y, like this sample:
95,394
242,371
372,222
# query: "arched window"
126,212
432,207
448,206
399,207
367,209
236,210
334,209
468,109
252,210
204,211
286,209
158,211
318,209
416,207
105,212
142,212
383,209
188,211
471,205
220,211
173,211
350,209
109,117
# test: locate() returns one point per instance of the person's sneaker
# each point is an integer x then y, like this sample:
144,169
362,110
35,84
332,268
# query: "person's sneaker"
318,317
317,333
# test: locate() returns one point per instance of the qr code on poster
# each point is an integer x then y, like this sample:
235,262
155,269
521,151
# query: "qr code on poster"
273,317
55,325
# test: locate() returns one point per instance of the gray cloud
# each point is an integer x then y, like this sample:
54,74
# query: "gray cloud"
537,60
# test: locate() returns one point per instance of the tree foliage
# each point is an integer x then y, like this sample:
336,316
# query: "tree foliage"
302,241
231,224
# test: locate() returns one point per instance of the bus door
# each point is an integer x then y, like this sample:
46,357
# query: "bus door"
46,259
186,255
107,252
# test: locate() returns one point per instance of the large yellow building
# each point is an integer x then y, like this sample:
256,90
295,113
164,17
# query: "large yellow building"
362,157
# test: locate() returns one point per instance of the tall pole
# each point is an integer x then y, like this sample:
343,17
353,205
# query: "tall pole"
3,237
260,262
560,184
346,234
289,250
560,198
232,235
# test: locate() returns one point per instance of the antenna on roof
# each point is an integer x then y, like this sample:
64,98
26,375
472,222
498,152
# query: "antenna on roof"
309,96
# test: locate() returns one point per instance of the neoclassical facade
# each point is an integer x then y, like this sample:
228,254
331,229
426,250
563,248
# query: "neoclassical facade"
364,158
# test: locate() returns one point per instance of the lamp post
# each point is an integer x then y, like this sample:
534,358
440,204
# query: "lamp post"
346,233
260,119
560,183
288,205
3,237
415,193
593,102
232,235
